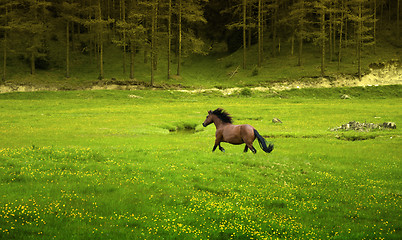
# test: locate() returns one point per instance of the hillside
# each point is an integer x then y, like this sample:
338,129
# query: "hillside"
216,70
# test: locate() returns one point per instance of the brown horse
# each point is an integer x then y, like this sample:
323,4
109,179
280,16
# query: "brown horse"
234,134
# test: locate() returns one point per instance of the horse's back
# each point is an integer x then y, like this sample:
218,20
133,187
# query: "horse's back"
237,134
247,132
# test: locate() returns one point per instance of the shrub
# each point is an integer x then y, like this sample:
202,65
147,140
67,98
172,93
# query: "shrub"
246,92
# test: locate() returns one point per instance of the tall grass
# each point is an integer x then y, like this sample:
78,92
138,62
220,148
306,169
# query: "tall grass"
102,165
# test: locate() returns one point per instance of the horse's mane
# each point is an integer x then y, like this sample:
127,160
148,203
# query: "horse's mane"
222,115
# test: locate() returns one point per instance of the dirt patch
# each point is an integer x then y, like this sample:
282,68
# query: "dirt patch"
390,74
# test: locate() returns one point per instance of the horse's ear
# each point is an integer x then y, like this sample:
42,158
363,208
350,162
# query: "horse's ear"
210,111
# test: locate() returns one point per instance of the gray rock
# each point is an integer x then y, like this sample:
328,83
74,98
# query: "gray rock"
357,126
391,125
276,120
344,96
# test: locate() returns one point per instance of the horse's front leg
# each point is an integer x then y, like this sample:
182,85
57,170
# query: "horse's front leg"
213,149
221,148
218,143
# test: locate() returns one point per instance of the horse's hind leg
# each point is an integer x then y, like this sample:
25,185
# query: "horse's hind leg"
245,148
250,145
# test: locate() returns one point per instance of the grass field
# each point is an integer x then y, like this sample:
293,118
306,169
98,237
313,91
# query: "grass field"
120,165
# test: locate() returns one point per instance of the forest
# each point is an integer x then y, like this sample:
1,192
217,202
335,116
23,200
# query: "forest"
31,30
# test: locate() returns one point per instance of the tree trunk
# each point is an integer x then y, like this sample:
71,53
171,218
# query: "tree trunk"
67,50
244,33
374,25
123,17
273,24
153,37
330,35
5,49
72,36
249,32
359,42
179,47
292,46
262,30
340,36
101,76
32,63
346,32
259,34
398,31
322,42
299,63
169,37
132,48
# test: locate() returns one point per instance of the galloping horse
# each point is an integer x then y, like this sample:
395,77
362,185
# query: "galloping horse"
234,134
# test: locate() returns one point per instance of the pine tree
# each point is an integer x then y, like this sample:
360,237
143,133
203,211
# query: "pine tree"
135,31
341,20
153,37
244,32
361,15
30,21
169,26
260,27
298,19
398,31
321,37
239,11
68,11
98,27
274,6
188,14
4,21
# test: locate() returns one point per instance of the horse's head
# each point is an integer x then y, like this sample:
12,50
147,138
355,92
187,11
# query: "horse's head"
208,119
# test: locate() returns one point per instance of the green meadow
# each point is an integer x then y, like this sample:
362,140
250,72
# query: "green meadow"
138,165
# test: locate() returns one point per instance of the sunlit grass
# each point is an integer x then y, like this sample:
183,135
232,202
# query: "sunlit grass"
102,165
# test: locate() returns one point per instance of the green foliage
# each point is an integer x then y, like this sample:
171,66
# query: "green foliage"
246,92
101,164
255,71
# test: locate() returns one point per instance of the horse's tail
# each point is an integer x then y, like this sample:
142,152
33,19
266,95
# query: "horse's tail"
262,143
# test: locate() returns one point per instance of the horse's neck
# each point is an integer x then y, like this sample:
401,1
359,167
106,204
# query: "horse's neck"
219,123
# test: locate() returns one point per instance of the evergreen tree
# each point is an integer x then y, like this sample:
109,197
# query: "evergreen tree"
239,12
5,7
341,21
135,31
274,7
29,20
98,27
362,18
169,36
298,18
398,12
321,36
188,14
68,11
